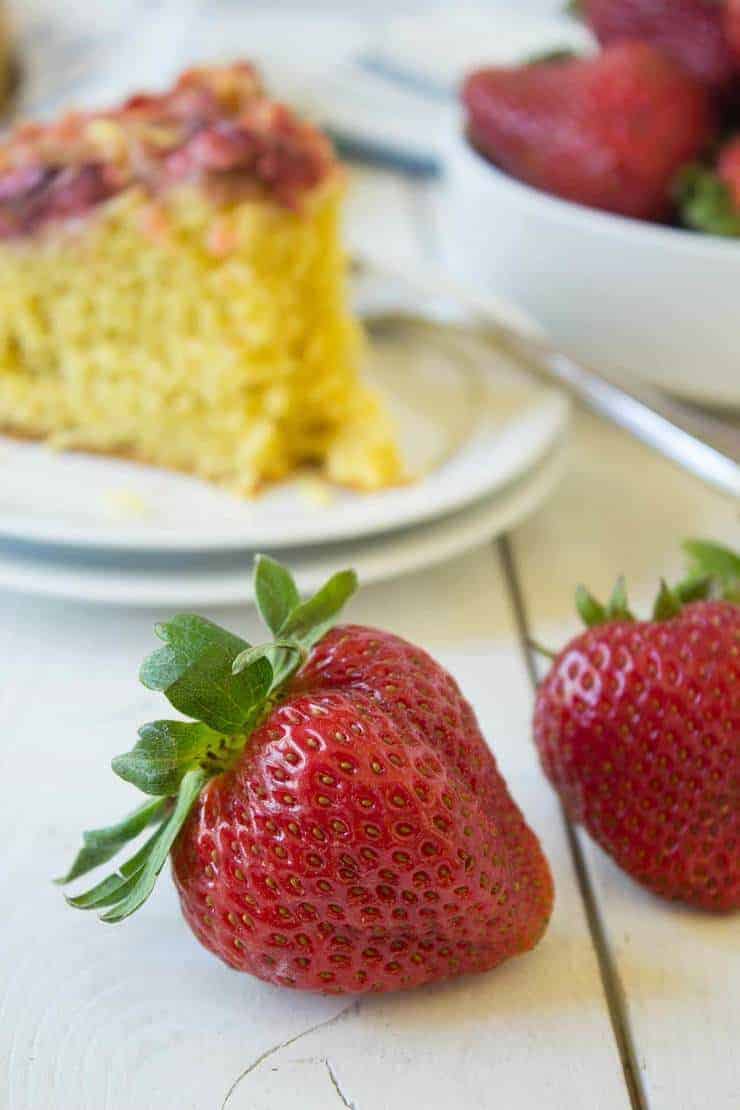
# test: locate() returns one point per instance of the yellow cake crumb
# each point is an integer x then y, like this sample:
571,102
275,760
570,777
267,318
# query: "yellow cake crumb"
208,338
125,504
316,493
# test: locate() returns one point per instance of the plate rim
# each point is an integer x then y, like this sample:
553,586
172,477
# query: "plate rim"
549,405
482,520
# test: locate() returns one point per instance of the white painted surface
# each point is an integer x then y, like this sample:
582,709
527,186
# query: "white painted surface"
140,1017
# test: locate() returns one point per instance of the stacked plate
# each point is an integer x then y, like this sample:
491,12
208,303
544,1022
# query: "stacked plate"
485,443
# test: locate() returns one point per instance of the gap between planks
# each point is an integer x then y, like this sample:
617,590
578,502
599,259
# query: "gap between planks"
610,981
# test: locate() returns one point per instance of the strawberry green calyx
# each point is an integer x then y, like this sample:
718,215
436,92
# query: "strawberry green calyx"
227,687
297,626
705,202
593,613
714,572
667,604
552,57
719,565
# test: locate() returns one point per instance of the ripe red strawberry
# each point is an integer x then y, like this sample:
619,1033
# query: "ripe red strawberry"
692,32
732,27
638,728
610,132
355,834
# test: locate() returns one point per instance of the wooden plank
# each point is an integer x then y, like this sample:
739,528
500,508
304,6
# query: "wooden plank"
97,1018
622,509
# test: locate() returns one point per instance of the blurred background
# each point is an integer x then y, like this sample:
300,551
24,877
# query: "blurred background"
382,78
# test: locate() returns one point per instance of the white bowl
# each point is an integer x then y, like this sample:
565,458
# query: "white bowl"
660,303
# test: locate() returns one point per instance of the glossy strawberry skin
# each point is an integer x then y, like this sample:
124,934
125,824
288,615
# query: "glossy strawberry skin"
638,729
692,32
609,132
365,840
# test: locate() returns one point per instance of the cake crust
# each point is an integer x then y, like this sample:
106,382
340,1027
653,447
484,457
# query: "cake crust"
216,128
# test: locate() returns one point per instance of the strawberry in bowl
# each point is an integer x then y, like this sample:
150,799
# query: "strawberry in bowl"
335,819
697,34
638,727
609,132
565,186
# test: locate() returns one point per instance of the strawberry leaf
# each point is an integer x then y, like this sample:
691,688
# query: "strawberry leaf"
275,591
553,56
188,638
111,889
143,880
209,692
102,894
718,563
618,607
131,885
667,603
194,672
165,752
100,845
302,624
705,202
591,611
313,619
260,651
694,589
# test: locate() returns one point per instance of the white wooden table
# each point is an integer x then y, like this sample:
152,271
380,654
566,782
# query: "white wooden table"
627,1002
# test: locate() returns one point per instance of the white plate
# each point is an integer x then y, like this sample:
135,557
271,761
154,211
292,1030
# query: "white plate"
469,422
212,580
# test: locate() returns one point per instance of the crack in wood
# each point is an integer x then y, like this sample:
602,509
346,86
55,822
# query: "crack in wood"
336,1085
610,980
354,1006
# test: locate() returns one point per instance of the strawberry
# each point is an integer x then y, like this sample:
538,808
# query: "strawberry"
709,199
692,32
336,820
638,728
610,132
732,27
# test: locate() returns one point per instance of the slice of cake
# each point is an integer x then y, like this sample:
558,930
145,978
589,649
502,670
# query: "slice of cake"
172,289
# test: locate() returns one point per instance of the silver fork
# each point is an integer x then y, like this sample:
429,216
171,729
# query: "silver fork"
705,444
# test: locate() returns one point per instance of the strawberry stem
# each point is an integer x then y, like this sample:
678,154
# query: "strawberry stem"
540,649
247,657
